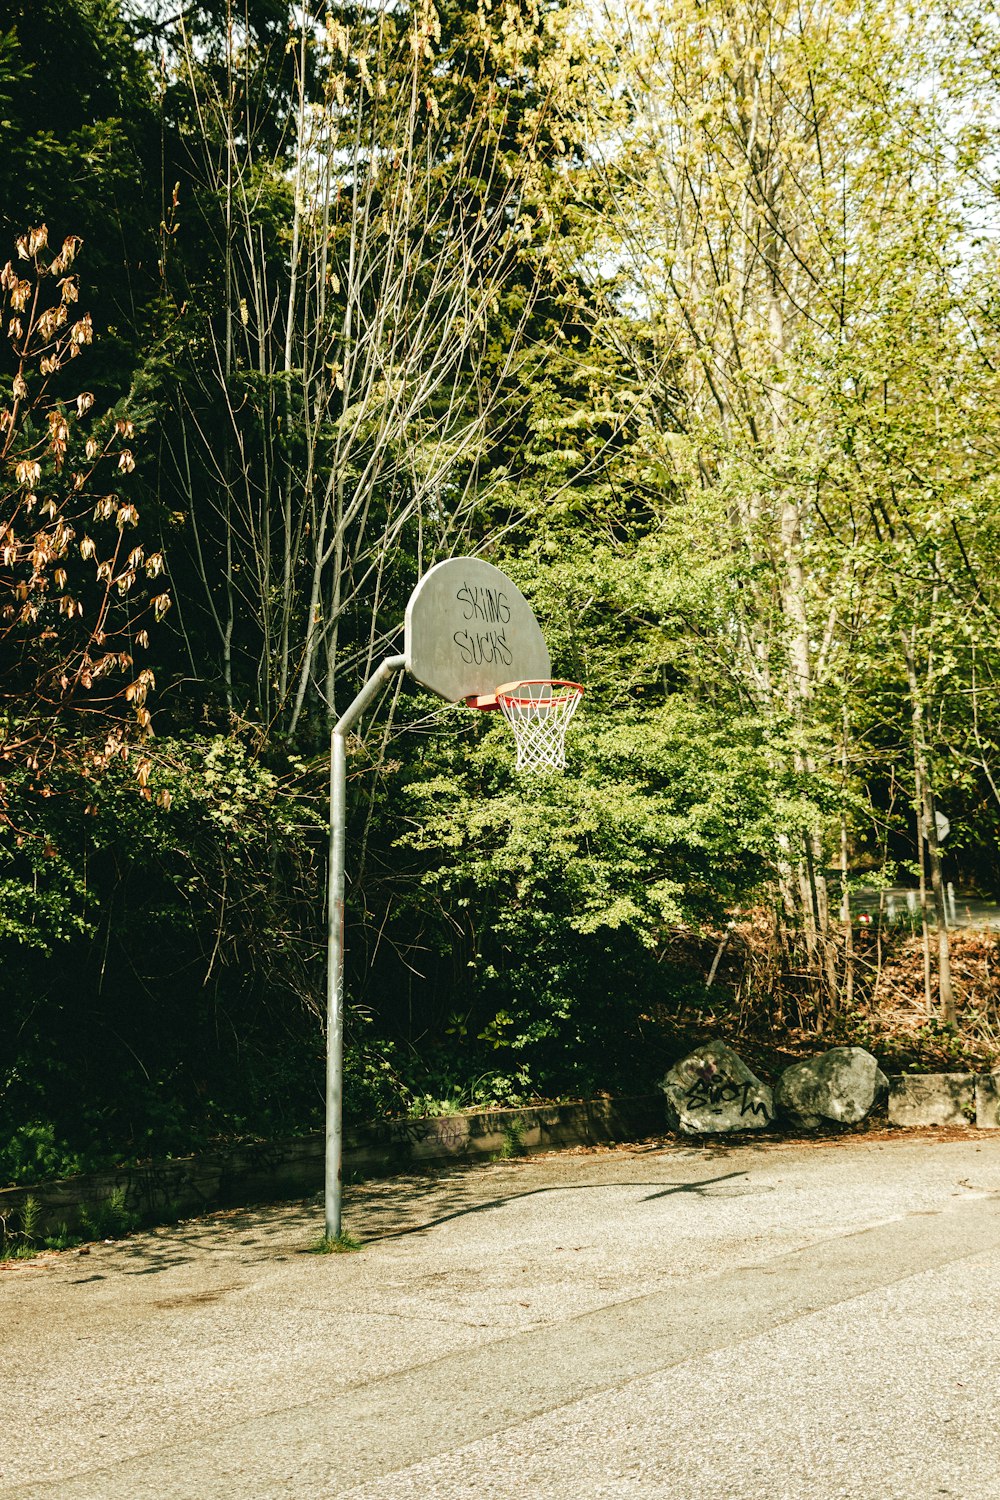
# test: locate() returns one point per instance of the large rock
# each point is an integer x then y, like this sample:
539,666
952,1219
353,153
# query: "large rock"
841,1085
713,1090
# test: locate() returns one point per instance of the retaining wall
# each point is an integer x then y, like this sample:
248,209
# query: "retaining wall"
945,1099
268,1171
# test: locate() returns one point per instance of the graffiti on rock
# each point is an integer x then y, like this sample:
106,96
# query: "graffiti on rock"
713,1088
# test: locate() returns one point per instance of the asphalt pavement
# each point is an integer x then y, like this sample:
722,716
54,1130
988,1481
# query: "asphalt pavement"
771,1319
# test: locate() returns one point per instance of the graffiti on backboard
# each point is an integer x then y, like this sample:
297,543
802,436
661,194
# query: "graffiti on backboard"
484,640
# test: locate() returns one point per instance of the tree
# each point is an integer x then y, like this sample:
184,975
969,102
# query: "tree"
81,153
70,625
774,209
339,363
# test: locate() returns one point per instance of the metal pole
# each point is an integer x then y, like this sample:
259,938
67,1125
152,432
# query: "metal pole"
335,985
335,941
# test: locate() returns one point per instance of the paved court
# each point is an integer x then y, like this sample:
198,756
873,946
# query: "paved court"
772,1319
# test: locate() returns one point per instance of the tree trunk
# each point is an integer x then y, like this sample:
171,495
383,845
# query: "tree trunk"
918,796
927,838
948,1012
845,895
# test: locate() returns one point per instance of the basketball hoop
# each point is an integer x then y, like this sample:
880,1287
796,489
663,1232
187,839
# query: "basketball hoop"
539,714
469,633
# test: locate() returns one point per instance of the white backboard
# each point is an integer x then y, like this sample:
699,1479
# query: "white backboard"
469,630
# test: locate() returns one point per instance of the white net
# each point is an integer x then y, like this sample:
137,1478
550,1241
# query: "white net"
539,713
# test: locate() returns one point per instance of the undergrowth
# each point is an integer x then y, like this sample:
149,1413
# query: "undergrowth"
22,1235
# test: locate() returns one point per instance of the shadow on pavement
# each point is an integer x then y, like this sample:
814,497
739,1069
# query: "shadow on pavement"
255,1228
374,1211
664,1191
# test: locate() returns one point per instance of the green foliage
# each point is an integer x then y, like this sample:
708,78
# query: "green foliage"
659,821
735,456
110,1219
30,1219
63,1239
164,995
541,910
82,153
21,1239
513,1141
34,1153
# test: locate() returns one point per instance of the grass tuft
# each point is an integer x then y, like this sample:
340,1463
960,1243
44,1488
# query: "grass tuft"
340,1244
513,1141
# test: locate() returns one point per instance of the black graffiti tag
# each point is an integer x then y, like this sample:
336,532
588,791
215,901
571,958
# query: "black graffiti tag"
489,606
711,1088
484,648
484,643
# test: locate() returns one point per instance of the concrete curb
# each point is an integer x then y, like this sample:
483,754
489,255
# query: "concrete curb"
988,1101
932,1099
271,1170
945,1099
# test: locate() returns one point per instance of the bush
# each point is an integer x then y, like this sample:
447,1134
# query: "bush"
530,918
160,947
